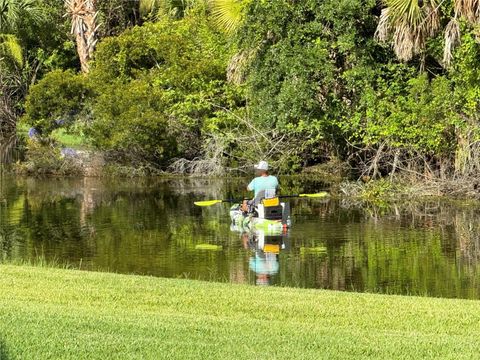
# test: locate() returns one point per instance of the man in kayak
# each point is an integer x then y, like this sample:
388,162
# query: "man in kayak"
264,185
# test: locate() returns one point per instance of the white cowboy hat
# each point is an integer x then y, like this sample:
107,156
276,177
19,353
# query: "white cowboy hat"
262,165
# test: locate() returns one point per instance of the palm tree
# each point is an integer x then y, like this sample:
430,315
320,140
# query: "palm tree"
12,12
84,26
407,24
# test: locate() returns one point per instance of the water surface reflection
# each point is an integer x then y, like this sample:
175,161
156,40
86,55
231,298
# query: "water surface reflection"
152,227
8,149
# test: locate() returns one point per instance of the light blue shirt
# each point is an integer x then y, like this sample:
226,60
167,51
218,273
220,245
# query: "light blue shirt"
262,183
264,265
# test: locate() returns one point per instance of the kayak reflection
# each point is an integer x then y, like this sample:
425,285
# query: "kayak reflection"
265,247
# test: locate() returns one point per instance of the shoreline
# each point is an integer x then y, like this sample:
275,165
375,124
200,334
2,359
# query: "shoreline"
93,164
379,190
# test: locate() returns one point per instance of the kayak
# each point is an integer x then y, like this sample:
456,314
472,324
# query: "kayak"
256,222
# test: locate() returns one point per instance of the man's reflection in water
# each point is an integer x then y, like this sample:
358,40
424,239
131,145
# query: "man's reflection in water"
266,246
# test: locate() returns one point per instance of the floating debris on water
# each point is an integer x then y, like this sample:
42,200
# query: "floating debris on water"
208,247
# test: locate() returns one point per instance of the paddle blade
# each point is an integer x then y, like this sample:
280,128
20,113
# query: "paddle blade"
317,195
207,202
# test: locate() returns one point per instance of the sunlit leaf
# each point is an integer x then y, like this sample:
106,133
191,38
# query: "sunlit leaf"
11,48
228,14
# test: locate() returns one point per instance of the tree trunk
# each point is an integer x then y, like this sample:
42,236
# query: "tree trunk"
85,28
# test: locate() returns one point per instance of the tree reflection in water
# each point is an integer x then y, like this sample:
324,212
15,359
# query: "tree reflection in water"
8,145
150,226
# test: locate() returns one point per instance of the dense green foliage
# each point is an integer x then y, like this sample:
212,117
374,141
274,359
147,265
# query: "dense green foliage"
42,47
297,83
69,314
306,58
317,72
170,95
58,97
413,115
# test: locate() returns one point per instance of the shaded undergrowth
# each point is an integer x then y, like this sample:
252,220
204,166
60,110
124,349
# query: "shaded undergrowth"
3,350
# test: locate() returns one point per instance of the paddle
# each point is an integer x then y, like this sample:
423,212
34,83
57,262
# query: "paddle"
317,195
213,202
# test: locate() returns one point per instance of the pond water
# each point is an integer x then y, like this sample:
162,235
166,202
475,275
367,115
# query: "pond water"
152,227
8,149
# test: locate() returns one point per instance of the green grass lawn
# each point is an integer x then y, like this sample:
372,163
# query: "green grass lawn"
69,140
65,314
63,137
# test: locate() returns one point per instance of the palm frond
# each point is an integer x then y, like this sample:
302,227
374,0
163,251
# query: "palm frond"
409,25
469,9
157,9
403,42
11,48
228,14
237,68
431,22
12,12
407,11
452,39
382,32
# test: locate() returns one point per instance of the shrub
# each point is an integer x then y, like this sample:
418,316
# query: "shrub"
56,99
158,88
416,114
131,121
46,159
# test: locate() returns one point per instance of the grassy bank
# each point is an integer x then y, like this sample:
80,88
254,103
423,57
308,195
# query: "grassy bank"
53,313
